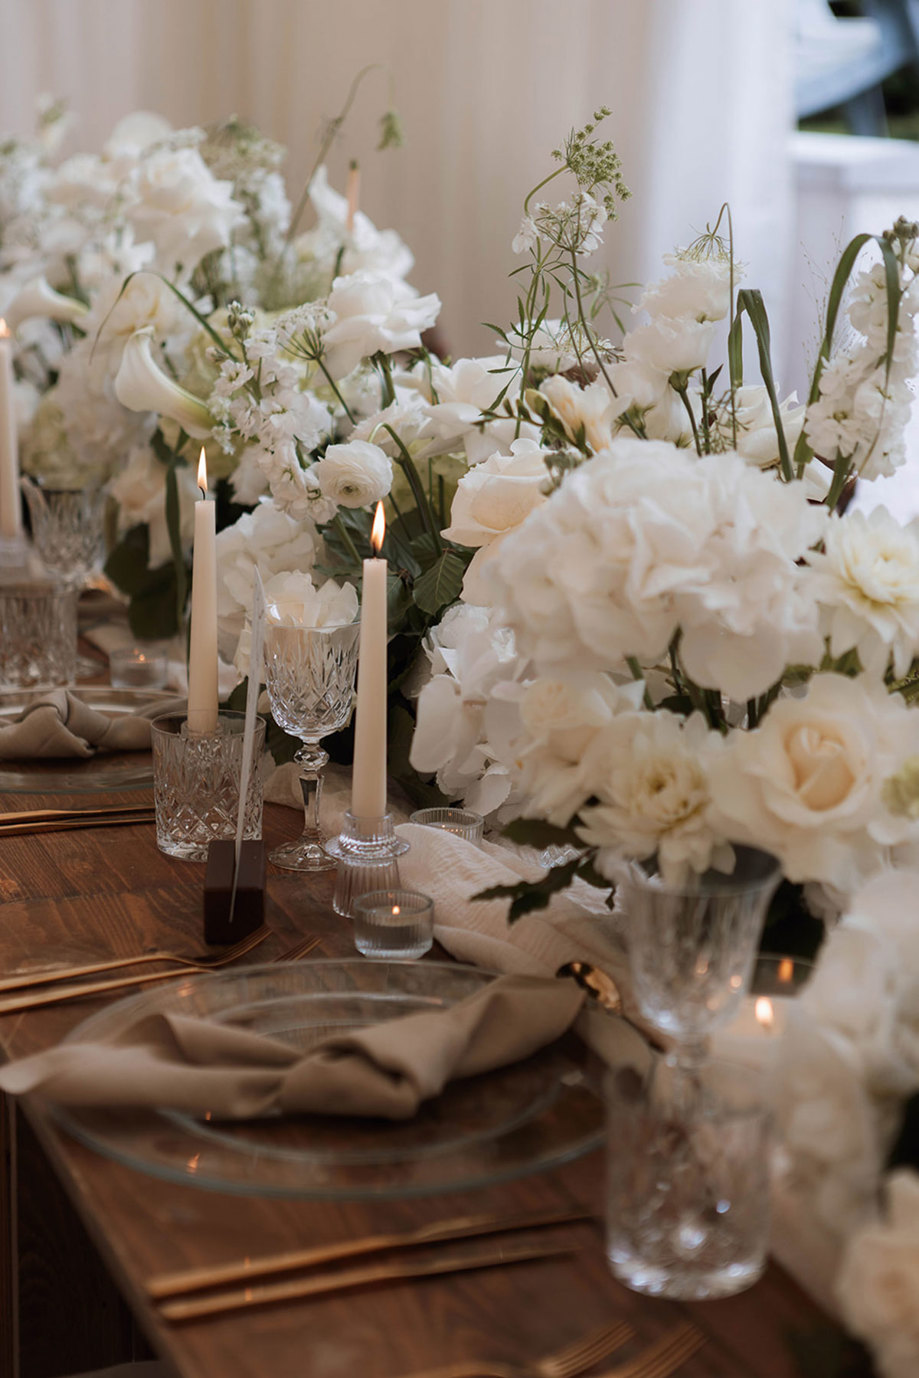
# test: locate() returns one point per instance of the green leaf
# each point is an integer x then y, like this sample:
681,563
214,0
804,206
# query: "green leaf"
527,897
441,584
751,301
175,541
536,832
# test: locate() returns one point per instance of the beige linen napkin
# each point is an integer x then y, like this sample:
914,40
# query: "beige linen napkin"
60,724
388,1069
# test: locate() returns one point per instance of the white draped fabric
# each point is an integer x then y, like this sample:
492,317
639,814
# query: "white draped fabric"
700,92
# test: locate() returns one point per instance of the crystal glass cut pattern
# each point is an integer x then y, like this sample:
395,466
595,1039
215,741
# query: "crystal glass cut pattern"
196,780
309,674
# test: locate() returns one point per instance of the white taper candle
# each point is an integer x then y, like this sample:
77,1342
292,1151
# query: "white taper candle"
10,504
368,789
202,651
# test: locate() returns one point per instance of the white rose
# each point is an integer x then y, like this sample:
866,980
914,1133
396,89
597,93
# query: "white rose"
809,783
355,474
878,1282
373,313
496,496
182,207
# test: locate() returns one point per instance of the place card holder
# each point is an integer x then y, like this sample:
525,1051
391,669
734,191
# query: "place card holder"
227,920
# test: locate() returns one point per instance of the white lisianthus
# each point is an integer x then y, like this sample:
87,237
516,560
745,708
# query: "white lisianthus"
809,784
757,439
140,492
650,775
867,583
265,539
670,345
878,1283
355,474
37,298
698,288
182,207
491,500
464,391
141,385
373,313
592,409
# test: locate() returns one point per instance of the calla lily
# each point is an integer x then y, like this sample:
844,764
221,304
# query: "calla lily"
141,385
38,298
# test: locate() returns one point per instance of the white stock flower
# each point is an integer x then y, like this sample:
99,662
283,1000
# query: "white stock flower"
878,1282
140,492
37,298
808,784
141,385
867,582
182,207
355,474
649,773
374,313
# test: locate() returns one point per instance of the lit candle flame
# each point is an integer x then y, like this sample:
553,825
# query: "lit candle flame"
4,329
378,530
765,1014
202,472
396,911
786,971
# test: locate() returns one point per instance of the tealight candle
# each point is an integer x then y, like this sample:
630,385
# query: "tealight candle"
753,1035
393,924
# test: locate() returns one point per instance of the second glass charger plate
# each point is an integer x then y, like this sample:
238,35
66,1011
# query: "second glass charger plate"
534,1114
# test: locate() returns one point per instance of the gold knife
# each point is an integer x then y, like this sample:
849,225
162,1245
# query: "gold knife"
459,1227
241,1298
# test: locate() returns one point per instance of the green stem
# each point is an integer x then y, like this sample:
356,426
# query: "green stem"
334,386
840,477
407,465
683,393
638,674
345,535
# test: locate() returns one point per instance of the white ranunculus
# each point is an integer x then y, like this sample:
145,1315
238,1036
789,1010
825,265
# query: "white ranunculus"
141,385
649,773
809,783
374,313
697,288
672,346
867,582
181,206
878,1282
140,492
37,298
355,474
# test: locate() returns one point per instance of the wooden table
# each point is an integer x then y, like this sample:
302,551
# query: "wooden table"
110,891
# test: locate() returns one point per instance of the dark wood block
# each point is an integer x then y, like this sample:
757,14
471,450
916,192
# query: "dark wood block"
249,910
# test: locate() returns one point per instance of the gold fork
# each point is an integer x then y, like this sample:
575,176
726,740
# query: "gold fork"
59,994
206,962
561,1363
661,1358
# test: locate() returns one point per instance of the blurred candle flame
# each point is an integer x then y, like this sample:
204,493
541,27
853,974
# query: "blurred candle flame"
4,329
765,1014
786,972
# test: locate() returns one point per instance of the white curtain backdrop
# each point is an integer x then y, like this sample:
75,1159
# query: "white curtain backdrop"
699,89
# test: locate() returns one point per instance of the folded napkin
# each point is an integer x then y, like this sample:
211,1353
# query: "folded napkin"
388,1069
60,724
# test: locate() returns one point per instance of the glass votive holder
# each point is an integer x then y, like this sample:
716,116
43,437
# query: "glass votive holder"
196,782
138,667
463,822
393,924
687,1212
38,632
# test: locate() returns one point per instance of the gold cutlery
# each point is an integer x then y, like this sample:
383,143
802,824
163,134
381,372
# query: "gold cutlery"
460,1227
663,1357
57,820
392,1270
59,994
206,962
561,1363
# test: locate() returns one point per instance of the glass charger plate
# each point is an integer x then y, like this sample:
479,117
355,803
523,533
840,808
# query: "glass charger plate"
73,775
480,1130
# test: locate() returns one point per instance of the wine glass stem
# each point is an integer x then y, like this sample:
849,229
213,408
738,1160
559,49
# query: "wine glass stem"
312,761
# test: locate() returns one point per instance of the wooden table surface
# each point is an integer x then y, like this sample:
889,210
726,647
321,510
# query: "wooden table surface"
109,891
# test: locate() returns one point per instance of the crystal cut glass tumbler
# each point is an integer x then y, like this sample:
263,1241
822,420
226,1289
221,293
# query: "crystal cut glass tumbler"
38,634
688,1198
68,532
196,783
309,675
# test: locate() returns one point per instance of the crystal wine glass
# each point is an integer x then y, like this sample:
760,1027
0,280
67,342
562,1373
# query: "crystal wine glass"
68,533
692,946
309,674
